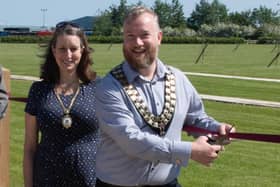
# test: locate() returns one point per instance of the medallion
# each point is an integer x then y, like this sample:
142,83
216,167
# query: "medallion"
66,121
158,122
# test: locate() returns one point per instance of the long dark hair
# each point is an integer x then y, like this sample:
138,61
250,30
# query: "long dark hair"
49,68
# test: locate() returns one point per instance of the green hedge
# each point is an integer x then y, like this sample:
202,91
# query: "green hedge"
268,40
24,39
105,39
119,39
199,40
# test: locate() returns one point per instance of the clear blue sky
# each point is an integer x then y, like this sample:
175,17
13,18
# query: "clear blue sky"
29,12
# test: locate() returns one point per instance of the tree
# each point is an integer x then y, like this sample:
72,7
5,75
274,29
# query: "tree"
177,18
103,24
170,15
163,11
118,13
199,15
206,13
110,21
263,15
242,18
218,12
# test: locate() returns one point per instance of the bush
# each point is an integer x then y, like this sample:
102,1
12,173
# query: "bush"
268,40
24,39
199,40
119,39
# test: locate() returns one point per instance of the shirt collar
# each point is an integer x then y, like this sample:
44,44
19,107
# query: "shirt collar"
131,74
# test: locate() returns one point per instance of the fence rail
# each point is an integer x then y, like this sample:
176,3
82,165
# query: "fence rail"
204,96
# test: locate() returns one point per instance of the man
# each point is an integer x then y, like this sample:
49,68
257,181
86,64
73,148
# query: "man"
3,95
142,106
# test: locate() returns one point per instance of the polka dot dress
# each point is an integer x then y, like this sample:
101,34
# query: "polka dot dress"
64,157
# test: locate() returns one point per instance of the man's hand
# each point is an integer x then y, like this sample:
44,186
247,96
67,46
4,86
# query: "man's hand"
224,130
203,152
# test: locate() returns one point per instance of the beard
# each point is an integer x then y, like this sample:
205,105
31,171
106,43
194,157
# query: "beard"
140,60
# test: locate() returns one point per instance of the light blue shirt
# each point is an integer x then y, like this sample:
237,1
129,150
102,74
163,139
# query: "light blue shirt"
130,152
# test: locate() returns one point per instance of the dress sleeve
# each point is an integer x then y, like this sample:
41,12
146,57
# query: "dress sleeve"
32,99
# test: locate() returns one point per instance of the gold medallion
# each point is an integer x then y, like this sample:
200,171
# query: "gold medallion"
159,122
66,121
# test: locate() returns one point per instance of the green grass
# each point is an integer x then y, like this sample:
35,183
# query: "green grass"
244,163
237,88
17,133
247,60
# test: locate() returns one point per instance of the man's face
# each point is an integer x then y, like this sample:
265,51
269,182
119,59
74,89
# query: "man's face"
142,38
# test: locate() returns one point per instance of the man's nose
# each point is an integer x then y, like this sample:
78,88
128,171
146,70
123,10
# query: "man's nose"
139,41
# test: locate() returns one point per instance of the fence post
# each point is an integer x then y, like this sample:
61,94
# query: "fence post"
5,138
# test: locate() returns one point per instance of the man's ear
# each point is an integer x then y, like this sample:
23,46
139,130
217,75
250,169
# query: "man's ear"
159,37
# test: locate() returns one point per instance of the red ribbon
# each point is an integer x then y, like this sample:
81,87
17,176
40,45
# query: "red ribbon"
19,99
238,135
191,129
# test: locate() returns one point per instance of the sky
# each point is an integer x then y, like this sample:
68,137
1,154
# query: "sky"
50,12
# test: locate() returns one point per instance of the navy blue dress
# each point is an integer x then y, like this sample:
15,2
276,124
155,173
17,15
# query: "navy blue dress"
64,157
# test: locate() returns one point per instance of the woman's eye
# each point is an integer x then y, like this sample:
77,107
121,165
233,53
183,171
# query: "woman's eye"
73,49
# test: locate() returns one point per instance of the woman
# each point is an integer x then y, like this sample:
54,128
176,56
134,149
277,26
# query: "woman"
61,129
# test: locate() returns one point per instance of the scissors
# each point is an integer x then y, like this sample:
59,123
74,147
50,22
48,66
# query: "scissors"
219,139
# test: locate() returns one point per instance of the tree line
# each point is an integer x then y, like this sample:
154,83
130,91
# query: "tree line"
207,19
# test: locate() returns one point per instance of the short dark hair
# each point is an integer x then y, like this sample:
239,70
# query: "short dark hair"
49,68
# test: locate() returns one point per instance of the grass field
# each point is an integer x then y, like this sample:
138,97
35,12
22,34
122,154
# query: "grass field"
244,163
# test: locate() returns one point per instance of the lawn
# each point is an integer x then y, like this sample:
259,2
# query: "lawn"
244,163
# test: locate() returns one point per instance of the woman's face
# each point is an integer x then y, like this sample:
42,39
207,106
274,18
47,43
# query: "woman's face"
67,52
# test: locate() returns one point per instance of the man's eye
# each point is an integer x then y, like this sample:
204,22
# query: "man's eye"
129,36
145,35
62,49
